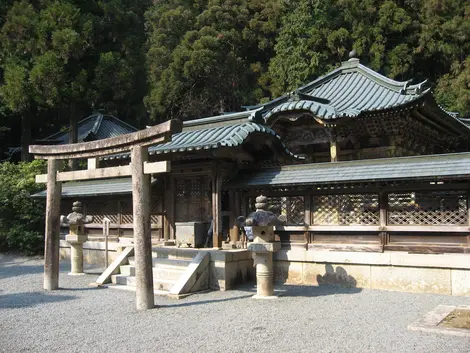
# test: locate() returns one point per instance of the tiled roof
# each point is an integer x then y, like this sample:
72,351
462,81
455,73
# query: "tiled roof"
210,138
432,167
94,127
349,91
118,186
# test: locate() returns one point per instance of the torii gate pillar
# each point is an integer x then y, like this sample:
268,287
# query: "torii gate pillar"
51,249
142,235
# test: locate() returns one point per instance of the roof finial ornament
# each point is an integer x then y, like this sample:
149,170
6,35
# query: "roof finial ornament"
352,54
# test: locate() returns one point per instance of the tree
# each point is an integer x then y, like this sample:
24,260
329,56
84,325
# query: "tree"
67,57
207,58
18,45
317,35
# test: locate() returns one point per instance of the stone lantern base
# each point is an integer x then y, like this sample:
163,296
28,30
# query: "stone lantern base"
76,253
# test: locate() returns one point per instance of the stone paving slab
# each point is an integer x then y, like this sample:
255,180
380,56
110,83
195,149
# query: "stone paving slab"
430,322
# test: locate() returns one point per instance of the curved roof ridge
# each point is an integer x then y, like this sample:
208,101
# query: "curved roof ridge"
211,138
398,86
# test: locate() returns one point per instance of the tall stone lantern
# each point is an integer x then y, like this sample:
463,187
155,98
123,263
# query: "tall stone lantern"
263,245
76,237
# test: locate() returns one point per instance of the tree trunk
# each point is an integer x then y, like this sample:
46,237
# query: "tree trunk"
73,134
25,136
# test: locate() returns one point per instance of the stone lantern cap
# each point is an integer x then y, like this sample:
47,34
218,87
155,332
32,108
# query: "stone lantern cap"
76,217
261,217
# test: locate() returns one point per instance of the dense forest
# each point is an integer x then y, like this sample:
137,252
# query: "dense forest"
147,61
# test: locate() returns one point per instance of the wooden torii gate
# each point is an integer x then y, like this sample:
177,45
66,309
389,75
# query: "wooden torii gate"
139,169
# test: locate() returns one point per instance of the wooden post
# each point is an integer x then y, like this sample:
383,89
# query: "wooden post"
234,213
383,204
92,163
169,208
52,241
331,131
216,209
468,213
142,239
307,216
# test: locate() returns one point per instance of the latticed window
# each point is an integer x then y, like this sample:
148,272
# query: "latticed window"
428,208
99,210
192,199
127,212
293,207
127,215
349,209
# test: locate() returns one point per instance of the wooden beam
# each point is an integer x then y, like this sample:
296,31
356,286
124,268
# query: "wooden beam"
157,167
234,214
168,219
216,207
92,163
142,232
119,144
52,241
109,172
383,205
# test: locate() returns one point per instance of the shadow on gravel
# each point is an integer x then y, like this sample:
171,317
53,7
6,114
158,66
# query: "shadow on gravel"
203,302
313,291
16,270
24,300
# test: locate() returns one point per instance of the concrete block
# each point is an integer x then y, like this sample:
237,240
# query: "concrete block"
350,257
188,281
408,279
460,282
460,261
297,255
217,275
217,255
350,276
288,272
121,259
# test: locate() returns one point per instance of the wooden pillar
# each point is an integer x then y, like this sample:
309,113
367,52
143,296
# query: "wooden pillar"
234,214
331,131
468,213
142,236
52,241
92,163
383,204
216,208
307,217
168,231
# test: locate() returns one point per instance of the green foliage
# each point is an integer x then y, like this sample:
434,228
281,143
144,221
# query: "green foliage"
207,57
21,217
317,35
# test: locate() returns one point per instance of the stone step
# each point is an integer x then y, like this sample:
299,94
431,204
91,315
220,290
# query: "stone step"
158,284
158,272
132,289
165,262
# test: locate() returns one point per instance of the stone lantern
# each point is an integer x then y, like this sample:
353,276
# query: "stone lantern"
263,245
76,237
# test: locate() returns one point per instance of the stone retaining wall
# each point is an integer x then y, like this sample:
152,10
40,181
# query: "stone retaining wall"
398,271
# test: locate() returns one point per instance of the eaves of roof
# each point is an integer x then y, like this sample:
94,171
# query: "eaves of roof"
430,167
210,138
89,188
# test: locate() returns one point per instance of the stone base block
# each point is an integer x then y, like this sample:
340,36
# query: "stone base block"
261,297
411,279
350,276
460,282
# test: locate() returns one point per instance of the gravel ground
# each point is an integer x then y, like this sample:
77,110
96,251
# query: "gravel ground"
304,319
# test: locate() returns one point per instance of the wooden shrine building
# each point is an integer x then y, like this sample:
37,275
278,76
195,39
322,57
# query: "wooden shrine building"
372,174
